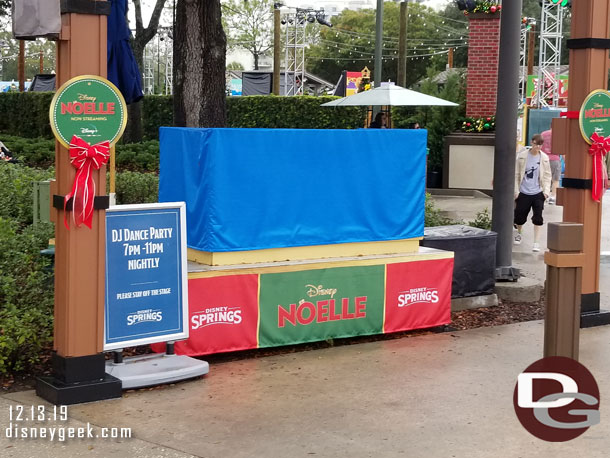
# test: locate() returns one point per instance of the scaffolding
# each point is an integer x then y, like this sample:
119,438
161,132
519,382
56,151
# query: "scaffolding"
169,65
148,76
294,59
523,64
551,36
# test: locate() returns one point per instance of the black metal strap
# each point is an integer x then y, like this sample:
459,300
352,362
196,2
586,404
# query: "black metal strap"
99,203
85,7
576,183
587,43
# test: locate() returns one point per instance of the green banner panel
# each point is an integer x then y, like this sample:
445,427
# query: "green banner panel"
312,305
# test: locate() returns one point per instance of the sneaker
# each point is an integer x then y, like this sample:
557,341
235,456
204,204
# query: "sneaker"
517,239
536,248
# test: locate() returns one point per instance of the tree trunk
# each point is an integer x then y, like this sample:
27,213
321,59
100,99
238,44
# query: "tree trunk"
255,61
199,65
133,131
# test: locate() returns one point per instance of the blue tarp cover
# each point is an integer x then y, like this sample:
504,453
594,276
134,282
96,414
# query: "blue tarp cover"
250,189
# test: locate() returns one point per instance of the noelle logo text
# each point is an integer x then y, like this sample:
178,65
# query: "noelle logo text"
216,315
144,316
417,296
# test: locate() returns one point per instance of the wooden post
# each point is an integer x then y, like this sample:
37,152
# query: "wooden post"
78,362
21,66
402,45
589,64
450,58
41,62
563,284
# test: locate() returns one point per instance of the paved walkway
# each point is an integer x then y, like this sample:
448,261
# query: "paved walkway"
437,395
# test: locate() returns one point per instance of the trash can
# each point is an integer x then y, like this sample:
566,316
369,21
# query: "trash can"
474,257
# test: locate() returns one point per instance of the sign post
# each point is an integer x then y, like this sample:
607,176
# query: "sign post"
589,65
146,292
78,364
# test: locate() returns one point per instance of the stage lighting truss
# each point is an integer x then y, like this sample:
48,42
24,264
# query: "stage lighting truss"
295,21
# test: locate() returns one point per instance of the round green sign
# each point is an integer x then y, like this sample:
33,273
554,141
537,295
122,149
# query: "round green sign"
89,107
595,115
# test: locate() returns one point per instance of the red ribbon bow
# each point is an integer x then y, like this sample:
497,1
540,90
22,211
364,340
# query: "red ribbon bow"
84,157
599,148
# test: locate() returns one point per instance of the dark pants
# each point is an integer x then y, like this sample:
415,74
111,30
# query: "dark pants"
524,203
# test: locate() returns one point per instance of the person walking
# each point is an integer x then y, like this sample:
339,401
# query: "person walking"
555,162
532,188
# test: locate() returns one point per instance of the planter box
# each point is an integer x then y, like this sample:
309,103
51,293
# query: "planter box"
468,162
474,257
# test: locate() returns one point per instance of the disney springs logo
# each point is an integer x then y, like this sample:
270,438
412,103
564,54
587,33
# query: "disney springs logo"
556,399
417,296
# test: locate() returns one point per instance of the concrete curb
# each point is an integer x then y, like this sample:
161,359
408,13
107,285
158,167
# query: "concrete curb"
524,290
474,302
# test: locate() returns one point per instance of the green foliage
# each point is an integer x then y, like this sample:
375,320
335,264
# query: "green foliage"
350,43
157,111
482,220
478,6
249,26
33,152
16,191
10,52
485,124
303,112
26,114
136,188
433,216
439,121
235,66
141,157
40,153
26,295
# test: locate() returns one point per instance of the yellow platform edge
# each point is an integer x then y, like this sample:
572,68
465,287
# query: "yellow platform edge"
423,254
301,253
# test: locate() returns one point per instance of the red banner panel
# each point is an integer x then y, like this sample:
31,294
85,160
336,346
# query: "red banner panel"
418,294
223,315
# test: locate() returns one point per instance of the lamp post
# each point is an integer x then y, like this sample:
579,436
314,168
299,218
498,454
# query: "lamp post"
378,42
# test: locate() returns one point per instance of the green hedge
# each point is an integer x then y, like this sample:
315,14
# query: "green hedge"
263,111
26,114
303,112
136,188
157,110
40,153
26,296
16,191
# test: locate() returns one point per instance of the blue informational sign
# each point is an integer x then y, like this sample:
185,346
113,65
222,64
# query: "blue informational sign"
146,275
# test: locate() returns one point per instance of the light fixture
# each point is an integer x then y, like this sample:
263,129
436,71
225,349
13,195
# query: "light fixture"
322,20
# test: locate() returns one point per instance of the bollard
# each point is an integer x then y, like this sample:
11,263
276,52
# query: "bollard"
564,261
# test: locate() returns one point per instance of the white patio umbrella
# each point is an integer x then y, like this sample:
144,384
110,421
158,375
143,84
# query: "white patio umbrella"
389,96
